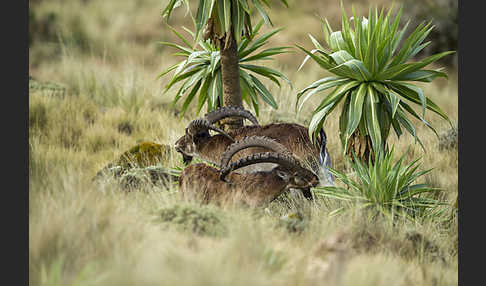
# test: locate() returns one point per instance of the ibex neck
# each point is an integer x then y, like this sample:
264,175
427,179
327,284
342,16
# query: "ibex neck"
212,150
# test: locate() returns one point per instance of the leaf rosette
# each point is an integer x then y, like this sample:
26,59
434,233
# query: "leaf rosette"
200,71
373,71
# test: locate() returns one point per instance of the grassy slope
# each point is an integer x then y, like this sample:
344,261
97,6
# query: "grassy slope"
84,233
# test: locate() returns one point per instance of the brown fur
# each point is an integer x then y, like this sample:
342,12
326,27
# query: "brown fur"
202,182
291,135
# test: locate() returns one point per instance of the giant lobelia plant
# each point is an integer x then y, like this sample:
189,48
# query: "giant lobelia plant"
373,72
201,72
226,24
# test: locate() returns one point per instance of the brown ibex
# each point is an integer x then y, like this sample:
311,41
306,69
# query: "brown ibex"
198,142
253,189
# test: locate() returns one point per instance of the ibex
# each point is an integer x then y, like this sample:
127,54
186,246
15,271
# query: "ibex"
198,142
253,189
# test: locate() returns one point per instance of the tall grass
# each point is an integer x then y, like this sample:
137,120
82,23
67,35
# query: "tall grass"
83,232
102,236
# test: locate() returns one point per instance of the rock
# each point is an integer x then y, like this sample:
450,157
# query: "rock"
141,164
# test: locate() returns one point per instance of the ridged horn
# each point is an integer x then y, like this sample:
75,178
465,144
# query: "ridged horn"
284,160
252,141
230,111
199,125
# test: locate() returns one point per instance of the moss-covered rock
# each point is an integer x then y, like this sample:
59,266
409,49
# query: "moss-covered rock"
202,220
144,154
141,164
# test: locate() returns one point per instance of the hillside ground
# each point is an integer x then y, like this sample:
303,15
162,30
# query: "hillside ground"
94,94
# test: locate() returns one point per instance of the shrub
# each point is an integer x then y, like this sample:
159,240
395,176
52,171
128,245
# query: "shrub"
201,220
385,187
148,176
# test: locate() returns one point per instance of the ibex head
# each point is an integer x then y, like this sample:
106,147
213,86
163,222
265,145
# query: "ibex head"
197,132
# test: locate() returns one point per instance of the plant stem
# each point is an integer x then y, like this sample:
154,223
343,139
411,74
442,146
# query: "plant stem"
362,147
230,75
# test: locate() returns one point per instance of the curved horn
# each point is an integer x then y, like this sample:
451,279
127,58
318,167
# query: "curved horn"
196,126
230,111
199,125
286,161
252,141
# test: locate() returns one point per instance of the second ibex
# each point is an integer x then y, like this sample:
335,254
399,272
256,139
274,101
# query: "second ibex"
255,188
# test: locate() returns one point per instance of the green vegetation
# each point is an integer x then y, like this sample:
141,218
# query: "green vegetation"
227,25
202,72
385,186
225,17
83,232
201,220
142,155
141,166
370,62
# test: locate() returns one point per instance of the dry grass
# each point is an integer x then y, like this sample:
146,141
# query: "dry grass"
87,233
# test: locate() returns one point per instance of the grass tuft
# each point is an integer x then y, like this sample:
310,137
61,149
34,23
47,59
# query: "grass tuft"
200,220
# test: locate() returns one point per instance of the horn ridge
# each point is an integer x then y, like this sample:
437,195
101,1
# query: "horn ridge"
198,125
286,161
230,111
252,141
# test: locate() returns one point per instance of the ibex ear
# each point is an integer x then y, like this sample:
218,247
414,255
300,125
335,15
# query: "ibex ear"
283,175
